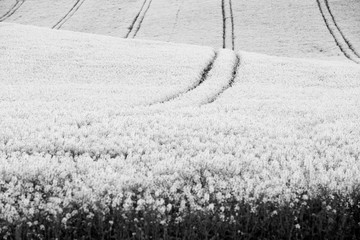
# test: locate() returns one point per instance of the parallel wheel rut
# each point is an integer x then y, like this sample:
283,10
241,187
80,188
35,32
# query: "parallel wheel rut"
72,11
340,31
208,76
203,77
12,10
340,39
228,24
139,18
231,81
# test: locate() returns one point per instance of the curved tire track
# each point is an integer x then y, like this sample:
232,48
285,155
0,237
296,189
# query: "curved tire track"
203,77
12,10
216,78
340,31
176,20
228,28
231,81
72,11
139,18
341,41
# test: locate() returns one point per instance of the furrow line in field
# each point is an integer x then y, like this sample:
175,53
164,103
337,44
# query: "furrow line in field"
217,81
72,11
204,75
12,10
139,18
142,19
176,20
232,26
228,24
340,31
334,31
135,19
224,22
231,81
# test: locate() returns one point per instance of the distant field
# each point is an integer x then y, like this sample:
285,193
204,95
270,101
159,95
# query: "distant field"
347,16
281,28
40,12
108,17
108,137
184,21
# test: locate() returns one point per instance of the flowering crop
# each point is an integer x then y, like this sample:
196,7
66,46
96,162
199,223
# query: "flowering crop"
277,152
99,72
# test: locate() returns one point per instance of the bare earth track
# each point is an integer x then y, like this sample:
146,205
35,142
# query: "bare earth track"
72,11
341,41
12,10
139,18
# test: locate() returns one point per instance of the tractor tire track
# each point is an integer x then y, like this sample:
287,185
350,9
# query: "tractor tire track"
139,18
231,80
12,10
339,38
232,25
224,22
72,11
340,31
135,19
216,78
228,28
176,21
203,77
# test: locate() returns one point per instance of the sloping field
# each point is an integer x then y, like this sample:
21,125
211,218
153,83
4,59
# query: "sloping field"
109,138
279,27
184,21
71,65
283,28
154,20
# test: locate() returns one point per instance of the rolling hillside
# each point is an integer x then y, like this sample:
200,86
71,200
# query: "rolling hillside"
91,124
179,119
77,63
311,29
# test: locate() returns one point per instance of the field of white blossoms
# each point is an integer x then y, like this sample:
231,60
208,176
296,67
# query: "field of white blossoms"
106,138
